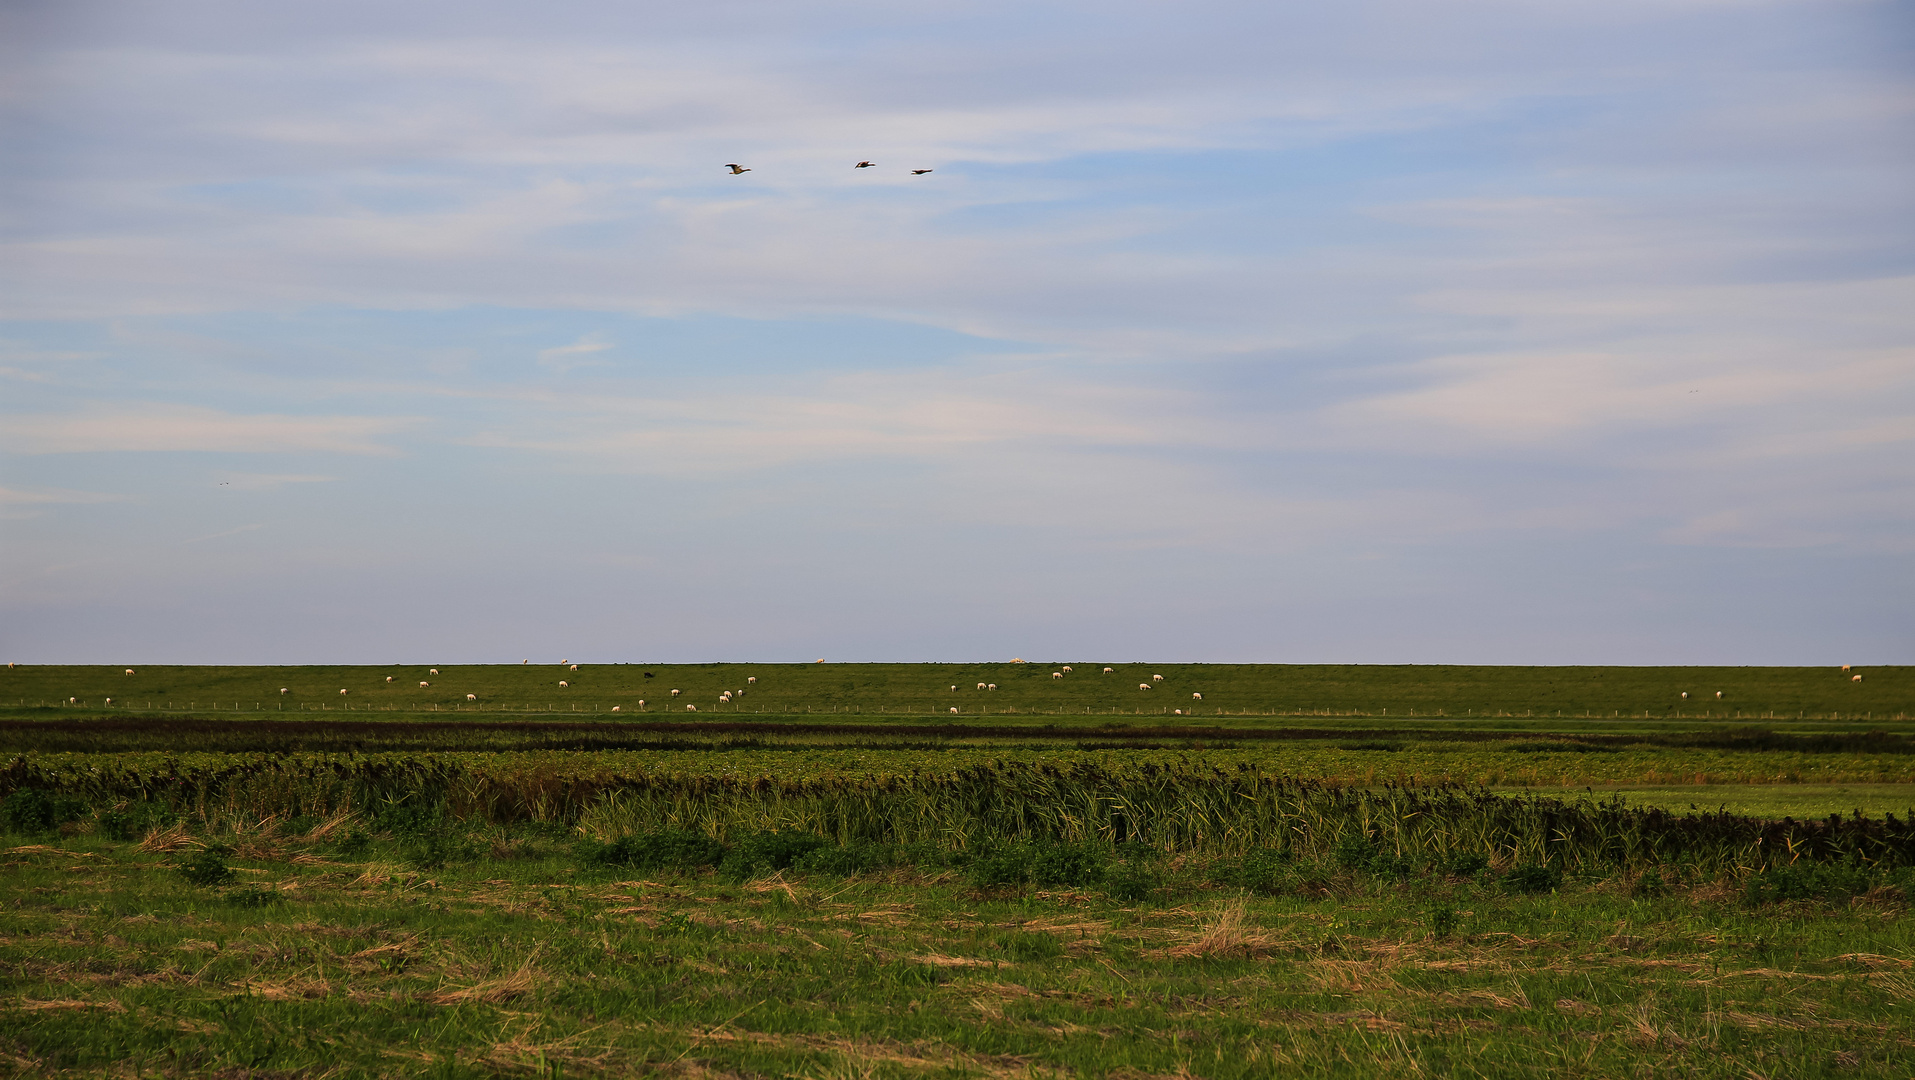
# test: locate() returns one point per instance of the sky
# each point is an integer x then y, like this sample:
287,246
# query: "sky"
1388,331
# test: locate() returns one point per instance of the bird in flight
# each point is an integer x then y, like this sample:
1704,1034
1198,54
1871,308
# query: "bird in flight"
865,165
919,172
736,169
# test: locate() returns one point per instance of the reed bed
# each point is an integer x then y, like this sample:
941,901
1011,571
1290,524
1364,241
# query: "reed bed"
1173,804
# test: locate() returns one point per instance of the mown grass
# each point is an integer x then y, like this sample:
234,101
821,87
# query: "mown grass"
347,949
1471,694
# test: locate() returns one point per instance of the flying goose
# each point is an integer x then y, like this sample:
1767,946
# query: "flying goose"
736,169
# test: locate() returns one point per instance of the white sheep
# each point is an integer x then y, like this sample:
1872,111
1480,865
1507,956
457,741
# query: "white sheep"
1143,686
954,689
674,693
1176,712
1196,697
1845,667
73,701
1855,678
691,708
388,678
574,667
562,682
109,701
1718,695
1107,671
1057,674
472,697
614,708
342,690
564,661
129,671
432,671
751,678
641,703
1685,695
990,686
1156,678
423,684
954,708
285,689
1067,669
525,661
980,686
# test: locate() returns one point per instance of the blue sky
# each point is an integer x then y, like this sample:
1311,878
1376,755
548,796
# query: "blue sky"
1489,332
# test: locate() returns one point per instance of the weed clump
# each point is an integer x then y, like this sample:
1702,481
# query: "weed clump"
1807,881
664,849
1531,878
1265,871
206,867
768,852
32,811
1038,862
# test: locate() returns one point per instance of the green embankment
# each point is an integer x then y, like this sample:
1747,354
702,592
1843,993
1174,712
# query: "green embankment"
1591,696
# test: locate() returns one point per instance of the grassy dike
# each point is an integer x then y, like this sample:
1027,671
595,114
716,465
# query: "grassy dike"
1619,696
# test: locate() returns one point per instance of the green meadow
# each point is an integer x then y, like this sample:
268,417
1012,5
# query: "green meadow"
1322,871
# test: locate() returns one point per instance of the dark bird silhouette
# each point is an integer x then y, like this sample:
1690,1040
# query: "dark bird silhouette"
736,169
919,172
865,165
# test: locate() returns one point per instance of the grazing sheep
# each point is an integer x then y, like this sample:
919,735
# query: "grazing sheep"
388,678
562,682
954,708
1685,695
129,671
954,689
980,686
751,678
1718,695
342,690
1855,678
1057,674
525,661
641,703
72,701
691,708
432,671
1176,712
1845,667
674,693
614,708
1156,678
821,659
574,667
423,684
1067,669
285,689
1196,697
472,697
1143,686
109,701
1107,671
564,661
990,686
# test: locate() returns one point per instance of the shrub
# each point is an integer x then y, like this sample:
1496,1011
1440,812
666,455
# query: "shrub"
207,866
1131,880
763,853
1266,871
1465,863
1807,881
1038,862
1649,883
859,858
1359,853
30,810
660,850
1444,921
1533,878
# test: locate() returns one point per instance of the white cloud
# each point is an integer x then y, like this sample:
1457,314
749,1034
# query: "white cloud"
565,358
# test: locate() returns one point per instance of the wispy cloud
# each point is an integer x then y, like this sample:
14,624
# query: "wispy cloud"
565,358
148,427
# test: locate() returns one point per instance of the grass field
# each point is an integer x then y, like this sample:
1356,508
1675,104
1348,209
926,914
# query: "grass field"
1058,881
